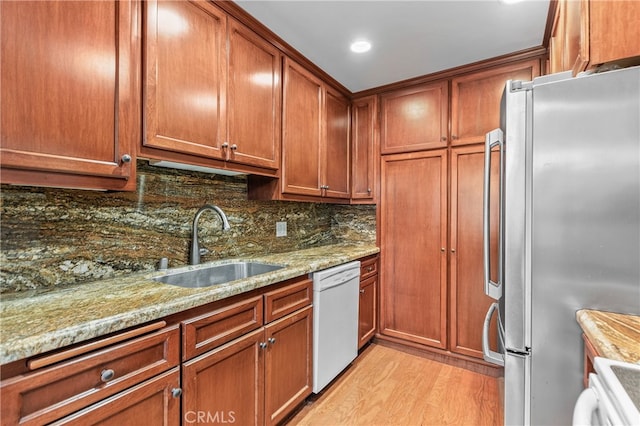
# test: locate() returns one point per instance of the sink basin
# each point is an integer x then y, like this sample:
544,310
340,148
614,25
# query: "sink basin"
217,274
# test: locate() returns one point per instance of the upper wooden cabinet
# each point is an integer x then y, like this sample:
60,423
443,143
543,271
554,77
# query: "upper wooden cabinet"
588,33
212,88
69,93
364,145
415,118
336,175
315,141
475,99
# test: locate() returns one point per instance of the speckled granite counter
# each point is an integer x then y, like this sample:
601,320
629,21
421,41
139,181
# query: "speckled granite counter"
614,336
35,322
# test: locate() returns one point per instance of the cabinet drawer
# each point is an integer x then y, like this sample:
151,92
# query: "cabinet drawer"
53,392
285,300
207,331
368,267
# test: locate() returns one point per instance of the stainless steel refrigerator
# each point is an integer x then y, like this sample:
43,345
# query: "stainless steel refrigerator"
569,230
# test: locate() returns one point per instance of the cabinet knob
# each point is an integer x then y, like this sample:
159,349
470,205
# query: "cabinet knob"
126,158
107,375
176,392
369,268
369,190
453,250
271,340
443,138
234,147
224,145
442,249
454,137
362,290
263,345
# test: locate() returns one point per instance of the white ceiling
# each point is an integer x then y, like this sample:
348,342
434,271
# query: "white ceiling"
409,38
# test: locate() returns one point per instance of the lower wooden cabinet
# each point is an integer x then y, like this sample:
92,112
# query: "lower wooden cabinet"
253,380
367,306
50,393
154,402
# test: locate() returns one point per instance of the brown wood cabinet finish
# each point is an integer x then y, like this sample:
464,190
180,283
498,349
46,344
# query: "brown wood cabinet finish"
253,98
288,364
365,149
286,300
475,99
151,402
469,304
185,77
220,326
336,160
69,97
227,383
413,229
301,131
368,303
50,393
415,118
588,33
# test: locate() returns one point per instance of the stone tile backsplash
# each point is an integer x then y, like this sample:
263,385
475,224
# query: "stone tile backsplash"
56,237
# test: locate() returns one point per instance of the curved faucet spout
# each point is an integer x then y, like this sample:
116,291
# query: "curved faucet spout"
194,257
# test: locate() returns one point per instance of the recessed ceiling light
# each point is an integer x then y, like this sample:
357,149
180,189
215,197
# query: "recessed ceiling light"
360,46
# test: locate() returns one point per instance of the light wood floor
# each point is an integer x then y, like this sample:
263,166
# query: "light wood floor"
387,387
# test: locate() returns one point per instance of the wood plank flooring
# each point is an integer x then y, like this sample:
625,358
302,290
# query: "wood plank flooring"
385,386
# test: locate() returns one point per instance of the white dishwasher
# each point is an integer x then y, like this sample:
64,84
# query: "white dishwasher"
335,321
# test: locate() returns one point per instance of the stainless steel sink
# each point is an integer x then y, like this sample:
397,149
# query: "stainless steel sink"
216,274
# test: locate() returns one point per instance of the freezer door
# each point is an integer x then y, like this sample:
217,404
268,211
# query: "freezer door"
516,389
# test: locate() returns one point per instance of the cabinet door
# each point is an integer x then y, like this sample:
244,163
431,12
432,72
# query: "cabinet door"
469,304
254,95
414,119
288,364
364,149
301,131
336,158
227,384
413,230
612,30
367,310
475,100
185,79
69,93
151,402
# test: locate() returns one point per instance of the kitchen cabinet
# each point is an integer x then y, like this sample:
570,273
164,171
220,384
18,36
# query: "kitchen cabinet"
84,380
156,401
316,153
468,303
414,118
588,33
70,93
432,285
315,144
251,359
367,306
475,99
413,235
212,89
365,149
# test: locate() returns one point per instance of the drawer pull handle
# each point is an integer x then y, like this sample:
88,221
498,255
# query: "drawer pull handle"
176,392
263,345
107,375
272,340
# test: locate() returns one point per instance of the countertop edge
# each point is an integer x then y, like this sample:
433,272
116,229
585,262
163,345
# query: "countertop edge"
613,335
162,300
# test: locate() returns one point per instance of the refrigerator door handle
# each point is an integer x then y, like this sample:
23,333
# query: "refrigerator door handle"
492,289
489,355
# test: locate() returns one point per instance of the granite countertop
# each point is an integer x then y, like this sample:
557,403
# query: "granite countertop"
615,336
32,323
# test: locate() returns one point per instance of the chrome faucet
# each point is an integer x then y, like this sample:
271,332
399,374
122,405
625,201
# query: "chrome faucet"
196,251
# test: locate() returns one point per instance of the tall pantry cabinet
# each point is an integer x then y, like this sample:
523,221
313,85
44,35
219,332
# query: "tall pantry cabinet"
431,208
